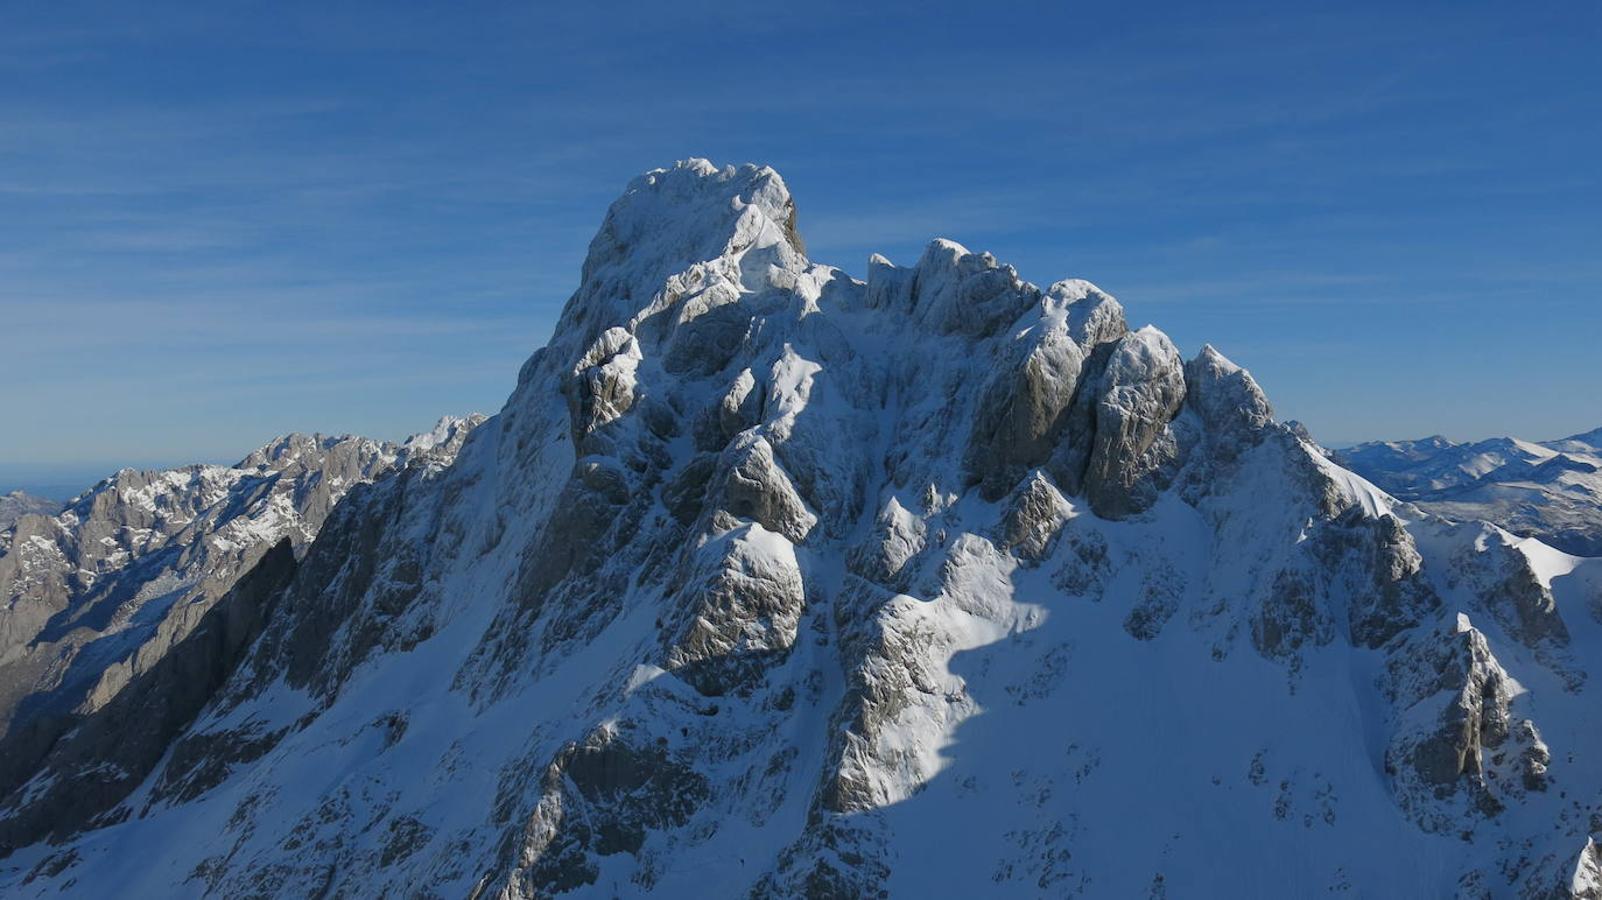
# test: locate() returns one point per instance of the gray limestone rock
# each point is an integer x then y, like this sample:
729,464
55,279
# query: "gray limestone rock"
1233,409
600,387
1034,518
1454,701
17,504
1291,616
897,538
97,759
750,484
1379,564
764,576
741,406
952,291
1512,593
1107,417
741,615
1583,879
1023,411
601,796
1135,396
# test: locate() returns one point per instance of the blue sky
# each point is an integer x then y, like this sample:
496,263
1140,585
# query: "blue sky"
221,222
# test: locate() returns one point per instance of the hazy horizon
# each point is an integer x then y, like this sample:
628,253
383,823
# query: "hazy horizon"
221,226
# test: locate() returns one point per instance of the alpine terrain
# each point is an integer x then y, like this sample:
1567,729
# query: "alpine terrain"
96,595
771,582
1550,490
17,504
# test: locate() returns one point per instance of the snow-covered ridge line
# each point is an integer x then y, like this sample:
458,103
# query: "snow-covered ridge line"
93,596
771,582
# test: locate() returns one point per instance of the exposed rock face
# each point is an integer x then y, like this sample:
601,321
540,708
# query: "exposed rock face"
601,386
98,758
1023,411
742,613
1497,571
99,594
1140,392
1120,450
1586,882
1456,701
1037,514
885,557
952,291
1234,411
17,504
765,577
751,485
601,797
1385,575
177,572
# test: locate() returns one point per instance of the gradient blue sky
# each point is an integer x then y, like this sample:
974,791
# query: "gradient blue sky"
219,222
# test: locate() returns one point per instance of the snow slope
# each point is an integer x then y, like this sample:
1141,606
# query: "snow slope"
771,582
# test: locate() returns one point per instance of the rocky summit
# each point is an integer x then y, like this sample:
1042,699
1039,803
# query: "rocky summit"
771,582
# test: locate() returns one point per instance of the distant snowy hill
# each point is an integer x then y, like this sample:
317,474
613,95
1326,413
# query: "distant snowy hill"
1589,443
1550,490
770,582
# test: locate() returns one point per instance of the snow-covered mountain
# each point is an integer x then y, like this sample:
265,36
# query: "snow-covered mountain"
97,594
1550,490
771,582
17,504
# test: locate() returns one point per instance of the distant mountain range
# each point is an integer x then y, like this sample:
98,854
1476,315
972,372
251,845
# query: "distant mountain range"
1551,490
95,592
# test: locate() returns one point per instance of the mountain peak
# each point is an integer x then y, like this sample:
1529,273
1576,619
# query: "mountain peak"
683,239
765,576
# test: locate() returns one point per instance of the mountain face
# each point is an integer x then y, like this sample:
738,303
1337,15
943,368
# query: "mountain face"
95,595
1550,490
17,504
771,582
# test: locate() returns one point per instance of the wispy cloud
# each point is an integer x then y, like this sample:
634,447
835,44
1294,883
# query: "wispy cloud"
294,204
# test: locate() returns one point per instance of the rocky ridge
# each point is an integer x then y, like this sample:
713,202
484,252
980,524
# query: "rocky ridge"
17,504
768,581
98,594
